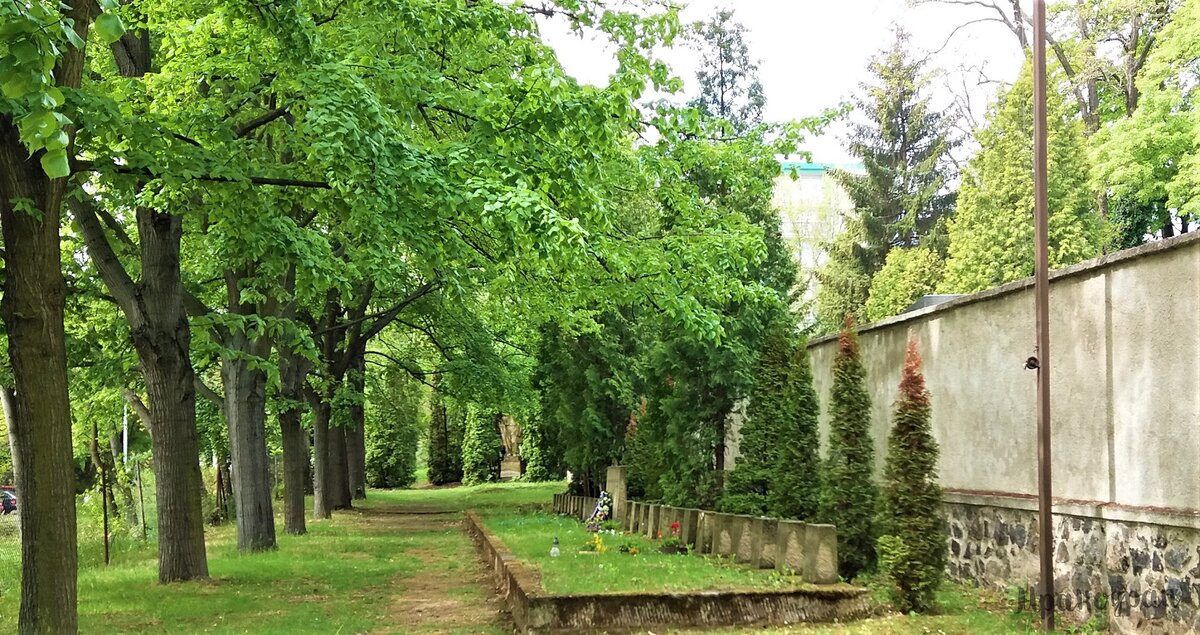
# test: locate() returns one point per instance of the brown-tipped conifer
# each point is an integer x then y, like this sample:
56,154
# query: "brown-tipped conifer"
912,547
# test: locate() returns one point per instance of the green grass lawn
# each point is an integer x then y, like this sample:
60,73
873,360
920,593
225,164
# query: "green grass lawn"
482,498
374,570
529,537
349,575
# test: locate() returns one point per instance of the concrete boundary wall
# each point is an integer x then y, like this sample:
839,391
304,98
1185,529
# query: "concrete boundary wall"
535,611
1125,372
1125,398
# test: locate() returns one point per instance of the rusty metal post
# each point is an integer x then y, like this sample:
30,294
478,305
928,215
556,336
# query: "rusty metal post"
1042,310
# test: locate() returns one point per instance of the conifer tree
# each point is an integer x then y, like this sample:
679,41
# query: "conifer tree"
767,417
482,448
796,483
848,491
540,451
904,144
912,548
728,76
991,234
907,275
396,417
444,442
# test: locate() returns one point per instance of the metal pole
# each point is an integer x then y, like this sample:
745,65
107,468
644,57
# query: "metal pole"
103,484
137,466
1042,309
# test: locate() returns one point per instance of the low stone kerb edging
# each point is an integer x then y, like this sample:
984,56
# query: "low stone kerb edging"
535,611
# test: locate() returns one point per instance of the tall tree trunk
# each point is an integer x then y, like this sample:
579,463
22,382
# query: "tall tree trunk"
356,456
105,469
221,513
245,415
39,404
322,505
308,465
163,343
295,443
32,309
154,308
328,440
339,475
226,484
356,440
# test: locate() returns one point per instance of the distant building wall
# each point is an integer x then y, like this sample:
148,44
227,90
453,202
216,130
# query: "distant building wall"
811,207
1125,398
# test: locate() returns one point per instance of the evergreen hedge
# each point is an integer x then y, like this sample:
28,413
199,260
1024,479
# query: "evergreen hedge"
767,418
541,453
778,468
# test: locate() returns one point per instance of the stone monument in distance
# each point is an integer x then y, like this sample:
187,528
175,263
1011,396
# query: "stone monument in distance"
510,435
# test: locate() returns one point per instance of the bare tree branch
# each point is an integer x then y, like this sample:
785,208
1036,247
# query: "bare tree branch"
140,408
254,124
208,393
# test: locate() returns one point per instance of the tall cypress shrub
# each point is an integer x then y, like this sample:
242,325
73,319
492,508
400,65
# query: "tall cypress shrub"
912,549
482,448
444,443
767,417
848,492
541,452
796,474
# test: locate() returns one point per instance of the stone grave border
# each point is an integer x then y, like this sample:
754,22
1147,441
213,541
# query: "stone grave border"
803,549
535,611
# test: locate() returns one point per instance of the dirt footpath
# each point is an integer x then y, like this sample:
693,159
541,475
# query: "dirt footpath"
451,592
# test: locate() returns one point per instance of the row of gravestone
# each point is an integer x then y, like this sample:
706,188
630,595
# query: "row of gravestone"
804,549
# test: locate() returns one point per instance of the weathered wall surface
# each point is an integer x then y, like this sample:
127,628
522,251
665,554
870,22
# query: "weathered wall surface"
1125,372
1125,397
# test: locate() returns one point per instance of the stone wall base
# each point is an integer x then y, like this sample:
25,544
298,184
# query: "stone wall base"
1143,577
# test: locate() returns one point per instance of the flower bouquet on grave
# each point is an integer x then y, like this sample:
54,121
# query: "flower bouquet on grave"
602,512
673,544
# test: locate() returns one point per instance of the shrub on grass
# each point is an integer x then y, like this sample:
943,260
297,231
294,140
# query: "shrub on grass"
848,492
396,419
745,504
796,483
767,417
482,448
541,452
912,549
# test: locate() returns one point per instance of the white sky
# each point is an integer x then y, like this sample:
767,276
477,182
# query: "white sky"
813,53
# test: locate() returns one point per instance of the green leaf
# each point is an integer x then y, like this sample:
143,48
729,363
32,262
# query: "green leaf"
25,51
72,36
55,164
15,85
109,27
